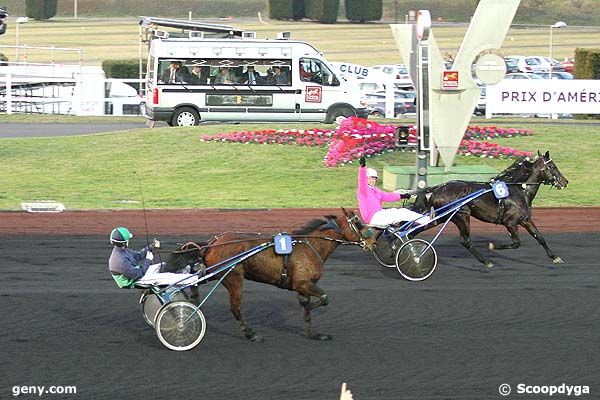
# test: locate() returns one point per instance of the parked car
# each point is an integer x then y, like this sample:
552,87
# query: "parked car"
556,65
481,102
378,109
555,75
399,71
546,63
373,86
400,96
511,66
404,102
522,75
568,64
530,64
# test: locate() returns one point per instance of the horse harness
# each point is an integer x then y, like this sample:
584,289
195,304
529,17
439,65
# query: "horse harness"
284,282
284,279
523,185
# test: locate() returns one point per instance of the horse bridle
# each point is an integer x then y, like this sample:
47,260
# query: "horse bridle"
554,180
332,224
362,243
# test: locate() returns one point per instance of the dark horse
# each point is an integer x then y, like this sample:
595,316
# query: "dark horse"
523,179
300,271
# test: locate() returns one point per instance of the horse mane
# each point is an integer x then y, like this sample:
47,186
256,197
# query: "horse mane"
515,171
312,225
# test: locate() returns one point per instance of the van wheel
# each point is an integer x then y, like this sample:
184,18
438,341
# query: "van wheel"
337,113
185,116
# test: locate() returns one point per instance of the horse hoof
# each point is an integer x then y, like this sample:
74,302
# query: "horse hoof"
255,338
488,265
491,246
558,260
320,336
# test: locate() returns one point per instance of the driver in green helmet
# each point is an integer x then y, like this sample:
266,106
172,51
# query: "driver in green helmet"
128,266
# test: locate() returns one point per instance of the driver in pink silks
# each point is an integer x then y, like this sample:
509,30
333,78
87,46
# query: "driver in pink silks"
371,199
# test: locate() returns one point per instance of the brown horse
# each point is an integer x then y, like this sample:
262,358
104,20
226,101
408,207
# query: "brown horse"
299,271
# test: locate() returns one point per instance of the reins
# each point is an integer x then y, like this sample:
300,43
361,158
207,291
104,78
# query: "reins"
330,224
185,246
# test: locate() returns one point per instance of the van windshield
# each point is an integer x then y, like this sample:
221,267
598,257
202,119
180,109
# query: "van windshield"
313,70
220,71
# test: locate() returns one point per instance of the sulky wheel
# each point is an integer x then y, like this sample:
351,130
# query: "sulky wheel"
416,260
180,325
385,250
152,302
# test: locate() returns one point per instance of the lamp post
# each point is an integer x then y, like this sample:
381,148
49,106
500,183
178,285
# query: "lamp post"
19,21
557,25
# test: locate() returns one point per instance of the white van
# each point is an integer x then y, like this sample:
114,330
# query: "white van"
292,81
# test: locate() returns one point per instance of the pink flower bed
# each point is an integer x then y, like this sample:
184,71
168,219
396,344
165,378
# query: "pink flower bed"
355,137
491,150
492,132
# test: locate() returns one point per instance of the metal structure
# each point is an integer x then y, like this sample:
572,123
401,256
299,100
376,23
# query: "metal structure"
448,102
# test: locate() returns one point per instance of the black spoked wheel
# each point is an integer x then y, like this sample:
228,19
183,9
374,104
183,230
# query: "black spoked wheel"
386,248
416,260
180,326
151,303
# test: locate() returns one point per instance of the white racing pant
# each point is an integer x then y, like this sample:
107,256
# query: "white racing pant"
388,216
156,278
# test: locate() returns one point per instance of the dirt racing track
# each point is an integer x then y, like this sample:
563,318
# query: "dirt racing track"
458,335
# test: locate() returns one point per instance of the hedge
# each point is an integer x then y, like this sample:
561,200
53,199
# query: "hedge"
363,10
40,9
587,66
122,69
325,11
280,9
285,9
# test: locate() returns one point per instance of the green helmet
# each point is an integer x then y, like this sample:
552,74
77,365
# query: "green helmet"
120,236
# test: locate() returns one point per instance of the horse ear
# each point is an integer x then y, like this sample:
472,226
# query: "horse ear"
547,155
539,154
344,211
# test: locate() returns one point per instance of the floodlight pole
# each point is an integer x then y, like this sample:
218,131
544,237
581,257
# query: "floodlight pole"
558,25
18,22
74,9
422,28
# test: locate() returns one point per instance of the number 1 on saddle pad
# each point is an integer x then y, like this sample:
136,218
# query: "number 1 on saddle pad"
283,244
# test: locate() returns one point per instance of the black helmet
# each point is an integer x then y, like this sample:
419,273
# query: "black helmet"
120,236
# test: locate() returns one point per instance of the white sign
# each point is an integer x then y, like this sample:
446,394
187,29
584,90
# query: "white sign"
525,96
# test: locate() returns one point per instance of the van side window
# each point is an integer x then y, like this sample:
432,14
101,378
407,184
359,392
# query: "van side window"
220,72
173,72
313,70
